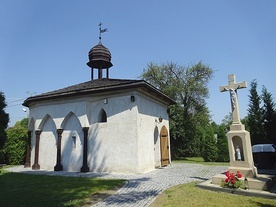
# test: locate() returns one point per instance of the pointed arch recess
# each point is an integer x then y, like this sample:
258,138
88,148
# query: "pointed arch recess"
102,117
44,120
67,117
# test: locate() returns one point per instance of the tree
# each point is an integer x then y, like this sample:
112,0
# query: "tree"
227,121
189,88
269,117
222,144
210,150
255,118
15,145
4,120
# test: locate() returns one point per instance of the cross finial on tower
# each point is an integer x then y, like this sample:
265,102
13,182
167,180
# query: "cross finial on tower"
101,31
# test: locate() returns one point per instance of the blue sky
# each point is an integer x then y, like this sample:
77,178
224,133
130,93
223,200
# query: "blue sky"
44,44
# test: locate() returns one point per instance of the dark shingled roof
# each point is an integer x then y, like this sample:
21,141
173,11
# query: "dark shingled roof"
98,86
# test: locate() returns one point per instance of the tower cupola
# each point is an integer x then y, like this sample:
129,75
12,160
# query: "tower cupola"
99,57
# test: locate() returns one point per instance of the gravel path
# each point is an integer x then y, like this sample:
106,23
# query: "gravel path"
142,189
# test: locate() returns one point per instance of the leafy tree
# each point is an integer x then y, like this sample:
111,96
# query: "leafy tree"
210,150
221,139
15,145
269,117
222,145
188,87
255,118
4,120
227,121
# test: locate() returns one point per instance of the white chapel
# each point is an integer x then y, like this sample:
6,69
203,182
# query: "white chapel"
102,125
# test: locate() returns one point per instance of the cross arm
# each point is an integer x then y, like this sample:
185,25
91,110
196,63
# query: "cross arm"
224,88
241,85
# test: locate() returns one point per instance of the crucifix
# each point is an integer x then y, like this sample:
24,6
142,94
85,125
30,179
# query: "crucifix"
232,87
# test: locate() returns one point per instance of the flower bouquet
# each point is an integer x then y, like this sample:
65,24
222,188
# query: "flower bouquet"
232,180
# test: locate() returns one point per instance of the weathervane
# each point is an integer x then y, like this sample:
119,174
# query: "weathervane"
101,31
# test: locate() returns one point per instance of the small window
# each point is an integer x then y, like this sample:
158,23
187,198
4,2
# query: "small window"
74,141
102,116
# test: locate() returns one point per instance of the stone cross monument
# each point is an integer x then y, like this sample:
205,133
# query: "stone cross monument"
239,142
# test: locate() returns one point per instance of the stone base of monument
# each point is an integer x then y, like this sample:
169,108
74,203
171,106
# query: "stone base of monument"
245,171
261,182
208,185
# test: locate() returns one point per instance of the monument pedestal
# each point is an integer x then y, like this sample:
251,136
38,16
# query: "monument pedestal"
240,151
242,160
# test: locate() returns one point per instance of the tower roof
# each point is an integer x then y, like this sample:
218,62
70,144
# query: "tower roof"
99,57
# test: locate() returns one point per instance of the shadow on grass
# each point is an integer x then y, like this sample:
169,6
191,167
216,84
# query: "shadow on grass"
199,178
264,205
43,190
52,189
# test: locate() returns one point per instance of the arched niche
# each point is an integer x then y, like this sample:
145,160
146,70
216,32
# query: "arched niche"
46,119
156,135
238,148
68,119
102,117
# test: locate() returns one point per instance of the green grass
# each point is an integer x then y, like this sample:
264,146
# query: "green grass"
198,160
41,190
189,195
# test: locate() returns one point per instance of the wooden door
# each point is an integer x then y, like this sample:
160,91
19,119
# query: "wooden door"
164,145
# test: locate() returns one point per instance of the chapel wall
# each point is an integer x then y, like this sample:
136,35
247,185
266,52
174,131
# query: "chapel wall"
128,142
149,127
113,145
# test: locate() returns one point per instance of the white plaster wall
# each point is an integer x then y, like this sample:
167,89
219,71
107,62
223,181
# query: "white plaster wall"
113,145
71,152
57,111
157,150
149,113
48,147
125,143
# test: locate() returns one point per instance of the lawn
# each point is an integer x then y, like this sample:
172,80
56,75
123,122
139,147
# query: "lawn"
41,190
189,195
198,160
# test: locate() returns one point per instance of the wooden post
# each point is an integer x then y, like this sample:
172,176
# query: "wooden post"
36,166
59,166
85,167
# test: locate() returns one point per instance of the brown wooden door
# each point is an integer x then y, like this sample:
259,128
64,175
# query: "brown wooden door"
164,145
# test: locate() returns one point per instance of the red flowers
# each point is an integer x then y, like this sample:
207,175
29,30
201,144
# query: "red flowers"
239,174
232,180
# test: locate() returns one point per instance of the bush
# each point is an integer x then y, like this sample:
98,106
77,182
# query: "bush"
15,145
210,150
222,145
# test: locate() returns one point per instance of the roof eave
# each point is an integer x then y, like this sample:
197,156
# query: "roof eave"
143,85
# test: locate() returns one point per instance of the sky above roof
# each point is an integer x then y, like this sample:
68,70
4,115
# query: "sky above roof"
44,45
